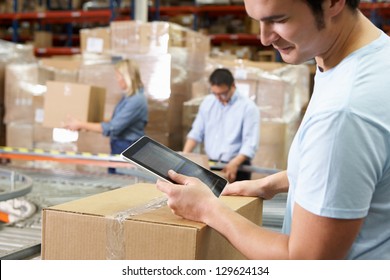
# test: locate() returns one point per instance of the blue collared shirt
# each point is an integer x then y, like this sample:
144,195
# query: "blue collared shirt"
129,118
227,130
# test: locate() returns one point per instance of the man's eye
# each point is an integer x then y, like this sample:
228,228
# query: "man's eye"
283,20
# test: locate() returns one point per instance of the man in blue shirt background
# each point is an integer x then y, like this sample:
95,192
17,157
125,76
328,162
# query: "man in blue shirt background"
228,123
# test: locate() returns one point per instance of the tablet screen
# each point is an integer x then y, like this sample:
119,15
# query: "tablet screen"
158,159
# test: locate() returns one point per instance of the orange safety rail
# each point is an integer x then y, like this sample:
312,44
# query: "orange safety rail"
63,157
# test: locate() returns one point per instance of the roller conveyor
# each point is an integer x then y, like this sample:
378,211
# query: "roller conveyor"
22,239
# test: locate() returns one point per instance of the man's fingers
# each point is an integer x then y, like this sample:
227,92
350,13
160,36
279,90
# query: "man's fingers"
178,178
164,186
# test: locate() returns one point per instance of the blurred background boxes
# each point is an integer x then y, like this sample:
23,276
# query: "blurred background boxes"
43,39
95,40
83,102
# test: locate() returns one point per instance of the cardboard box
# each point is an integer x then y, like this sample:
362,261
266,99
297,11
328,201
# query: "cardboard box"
19,88
59,69
137,37
276,137
43,39
92,142
84,102
95,40
19,135
133,223
61,64
103,75
2,126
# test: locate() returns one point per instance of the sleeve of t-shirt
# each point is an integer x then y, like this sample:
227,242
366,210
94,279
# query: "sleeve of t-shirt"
341,157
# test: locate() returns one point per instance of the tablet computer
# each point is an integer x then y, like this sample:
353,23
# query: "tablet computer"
159,159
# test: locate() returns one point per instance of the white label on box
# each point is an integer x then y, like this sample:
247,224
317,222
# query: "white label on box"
95,45
39,115
62,135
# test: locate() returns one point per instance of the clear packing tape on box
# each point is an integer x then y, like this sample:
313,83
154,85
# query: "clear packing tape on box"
115,226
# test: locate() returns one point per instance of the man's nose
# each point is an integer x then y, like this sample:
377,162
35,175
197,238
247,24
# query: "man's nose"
267,34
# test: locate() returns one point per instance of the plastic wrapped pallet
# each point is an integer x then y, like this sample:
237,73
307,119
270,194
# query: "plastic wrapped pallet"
20,88
102,75
139,38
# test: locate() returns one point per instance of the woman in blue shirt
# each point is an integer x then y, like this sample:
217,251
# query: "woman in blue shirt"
130,115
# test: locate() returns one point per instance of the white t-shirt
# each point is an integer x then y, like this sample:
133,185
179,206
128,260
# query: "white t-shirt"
339,161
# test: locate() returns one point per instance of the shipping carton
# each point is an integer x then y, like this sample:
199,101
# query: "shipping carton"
61,64
83,102
134,223
95,40
43,39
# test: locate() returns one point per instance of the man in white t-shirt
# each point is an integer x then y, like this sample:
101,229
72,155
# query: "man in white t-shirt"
338,175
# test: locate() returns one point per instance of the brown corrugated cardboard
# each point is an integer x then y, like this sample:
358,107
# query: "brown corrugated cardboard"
19,135
95,40
103,75
20,82
133,223
60,64
2,126
59,69
93,142
43,39
276,137
80,101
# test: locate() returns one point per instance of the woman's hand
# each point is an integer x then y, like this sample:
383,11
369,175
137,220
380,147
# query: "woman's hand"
72,123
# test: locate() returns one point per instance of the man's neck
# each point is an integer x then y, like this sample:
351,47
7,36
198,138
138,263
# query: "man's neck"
357,31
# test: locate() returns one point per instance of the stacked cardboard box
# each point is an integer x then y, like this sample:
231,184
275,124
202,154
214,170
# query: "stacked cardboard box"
58,69
170,57
3,61
25,86
43,39
234,51
21,103
139,38
95,40
277,88
276,137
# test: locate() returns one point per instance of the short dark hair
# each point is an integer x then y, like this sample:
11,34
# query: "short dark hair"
221,76
316,7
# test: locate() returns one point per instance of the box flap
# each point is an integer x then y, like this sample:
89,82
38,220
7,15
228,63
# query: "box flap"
143,202
85,229
164,215
113,202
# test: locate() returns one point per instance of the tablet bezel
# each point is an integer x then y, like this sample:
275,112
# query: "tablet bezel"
129,153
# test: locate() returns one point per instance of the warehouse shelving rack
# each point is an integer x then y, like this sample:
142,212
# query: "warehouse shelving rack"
68,17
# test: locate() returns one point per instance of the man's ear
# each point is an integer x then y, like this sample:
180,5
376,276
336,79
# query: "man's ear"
333,7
